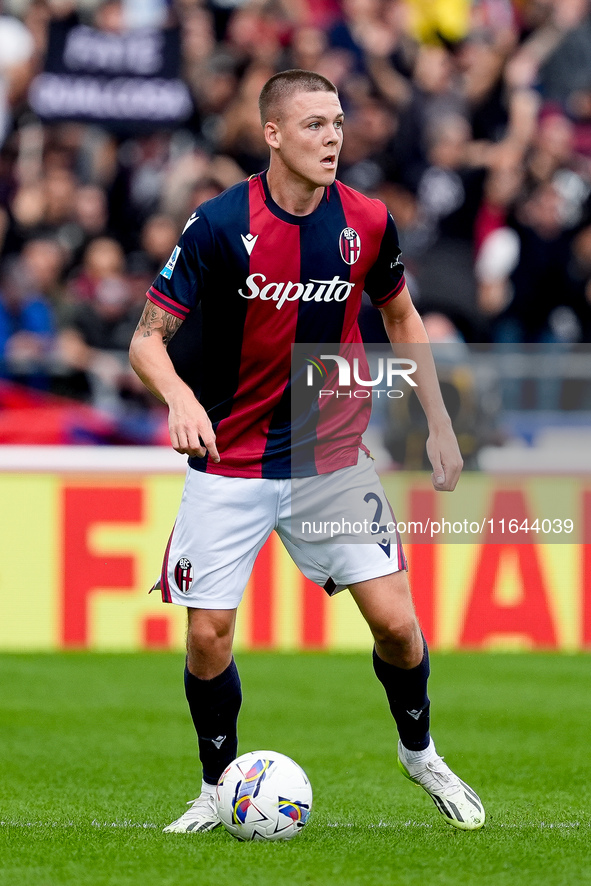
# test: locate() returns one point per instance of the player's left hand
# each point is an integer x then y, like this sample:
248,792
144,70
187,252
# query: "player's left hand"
444,454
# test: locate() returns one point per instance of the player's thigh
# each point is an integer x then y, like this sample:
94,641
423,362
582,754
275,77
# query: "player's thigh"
221,526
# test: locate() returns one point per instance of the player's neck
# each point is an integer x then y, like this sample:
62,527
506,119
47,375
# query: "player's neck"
293,195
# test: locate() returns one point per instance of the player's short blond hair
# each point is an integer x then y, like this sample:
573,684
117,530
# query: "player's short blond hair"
284,85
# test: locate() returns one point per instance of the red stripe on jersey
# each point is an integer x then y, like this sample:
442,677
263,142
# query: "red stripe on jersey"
163,301
370,227
380,303
265,360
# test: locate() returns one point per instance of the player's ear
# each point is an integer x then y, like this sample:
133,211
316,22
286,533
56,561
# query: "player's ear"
272,136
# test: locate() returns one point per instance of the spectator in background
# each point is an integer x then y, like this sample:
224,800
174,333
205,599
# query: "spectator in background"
380,59
158,239
44,208
241,134
60,198
480,65
503,183
449,194
93,343
213,86
26,210
446,187
16,67
539,281
27,325
223,11
103,259
43,261
552,147
361,19
139,184
109,16
307,48
180,177
199,47
564,63
194,177
579,274
90,219
435,94
204,189
255,34
365,160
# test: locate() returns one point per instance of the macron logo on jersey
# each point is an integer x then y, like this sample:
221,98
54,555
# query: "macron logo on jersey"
169,266
193,218
249,240
315,290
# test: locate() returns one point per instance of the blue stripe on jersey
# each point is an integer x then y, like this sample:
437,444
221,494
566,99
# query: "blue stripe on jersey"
229,217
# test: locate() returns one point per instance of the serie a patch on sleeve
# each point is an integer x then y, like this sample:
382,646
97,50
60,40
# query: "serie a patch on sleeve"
169,266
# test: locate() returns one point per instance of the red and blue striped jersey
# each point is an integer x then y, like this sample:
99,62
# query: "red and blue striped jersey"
266,280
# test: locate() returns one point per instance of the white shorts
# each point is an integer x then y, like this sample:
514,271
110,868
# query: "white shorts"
223,523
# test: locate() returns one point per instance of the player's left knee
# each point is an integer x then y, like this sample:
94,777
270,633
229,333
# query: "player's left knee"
400,643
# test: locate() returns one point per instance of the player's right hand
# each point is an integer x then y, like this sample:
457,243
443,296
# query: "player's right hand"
191,432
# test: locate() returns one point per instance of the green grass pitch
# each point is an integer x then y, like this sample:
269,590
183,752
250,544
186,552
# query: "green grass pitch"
97,754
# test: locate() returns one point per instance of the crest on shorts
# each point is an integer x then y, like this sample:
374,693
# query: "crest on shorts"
183,574
350,245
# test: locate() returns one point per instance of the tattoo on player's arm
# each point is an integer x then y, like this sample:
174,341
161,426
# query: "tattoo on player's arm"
171,324
153,318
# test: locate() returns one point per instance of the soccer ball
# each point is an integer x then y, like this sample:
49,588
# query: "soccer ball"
264,795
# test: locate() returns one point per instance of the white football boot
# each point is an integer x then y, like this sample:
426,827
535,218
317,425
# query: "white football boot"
457,802
201,816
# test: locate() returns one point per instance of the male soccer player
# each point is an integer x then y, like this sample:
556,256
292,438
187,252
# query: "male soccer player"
279,259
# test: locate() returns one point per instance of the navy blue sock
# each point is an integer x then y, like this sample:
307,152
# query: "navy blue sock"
407,695
214,706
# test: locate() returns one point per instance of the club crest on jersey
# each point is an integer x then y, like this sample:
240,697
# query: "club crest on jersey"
350,245
183,574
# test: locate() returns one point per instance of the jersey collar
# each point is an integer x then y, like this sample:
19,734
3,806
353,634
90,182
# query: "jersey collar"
287,216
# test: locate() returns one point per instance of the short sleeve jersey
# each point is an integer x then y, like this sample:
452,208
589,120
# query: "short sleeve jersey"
266,280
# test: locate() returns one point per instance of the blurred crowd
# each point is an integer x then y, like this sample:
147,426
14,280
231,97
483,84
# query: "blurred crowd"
470,120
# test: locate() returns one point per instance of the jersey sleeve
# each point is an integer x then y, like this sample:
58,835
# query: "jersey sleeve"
386,278
179,286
